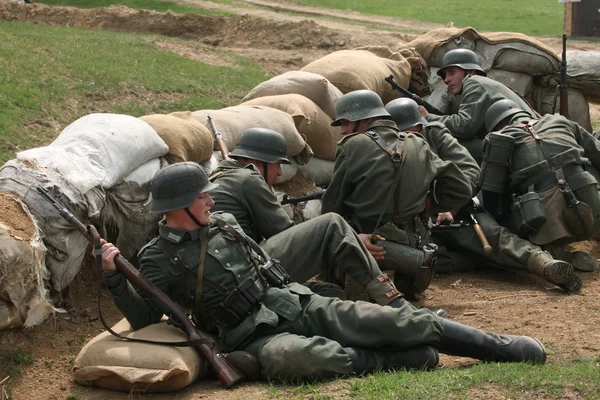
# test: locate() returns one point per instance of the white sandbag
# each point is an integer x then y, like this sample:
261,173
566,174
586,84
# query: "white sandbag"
517,81
310,120
99,150
318,171
114,364
212,163
288,171
579,108
583,73
233,121
145,172
23,297
351,70
312,209
313,86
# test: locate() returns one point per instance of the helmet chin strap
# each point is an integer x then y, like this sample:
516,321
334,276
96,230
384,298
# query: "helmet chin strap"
192,217
265,171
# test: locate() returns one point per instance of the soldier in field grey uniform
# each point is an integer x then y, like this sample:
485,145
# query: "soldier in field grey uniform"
325,245
553,193
509,250
208,265
463,75
383,181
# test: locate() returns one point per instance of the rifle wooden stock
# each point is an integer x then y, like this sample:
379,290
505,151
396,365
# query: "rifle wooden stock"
420,101
226,373
219,138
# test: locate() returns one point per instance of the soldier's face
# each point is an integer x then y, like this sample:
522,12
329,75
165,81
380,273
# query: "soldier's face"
348,127
454,79
201,207
273,172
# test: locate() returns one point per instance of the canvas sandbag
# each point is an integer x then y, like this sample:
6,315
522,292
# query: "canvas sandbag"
313,86
232,121
98,150
517,81
351,70
583,73
318,171
310,121
115,364
579,108
23,275
187,139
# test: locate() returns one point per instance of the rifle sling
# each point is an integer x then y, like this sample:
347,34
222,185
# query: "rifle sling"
98,260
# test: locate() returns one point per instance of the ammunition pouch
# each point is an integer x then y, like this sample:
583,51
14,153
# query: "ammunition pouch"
240,302
274,273
528,213
406,260
497,152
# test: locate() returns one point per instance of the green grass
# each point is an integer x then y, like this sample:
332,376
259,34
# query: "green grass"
577,379
156,5
60,74
13,361
532,17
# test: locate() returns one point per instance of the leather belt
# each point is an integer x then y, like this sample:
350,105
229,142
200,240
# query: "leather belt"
549,179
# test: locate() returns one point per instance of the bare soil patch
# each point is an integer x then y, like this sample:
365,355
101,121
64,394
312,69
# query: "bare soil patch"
504,301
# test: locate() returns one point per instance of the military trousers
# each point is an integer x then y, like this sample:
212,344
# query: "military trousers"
312,346
324,245
509,251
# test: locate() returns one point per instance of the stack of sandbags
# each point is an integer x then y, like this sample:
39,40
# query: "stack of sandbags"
23,301
313,86
233,121
187,139
309,119
351,70
98,150
583,73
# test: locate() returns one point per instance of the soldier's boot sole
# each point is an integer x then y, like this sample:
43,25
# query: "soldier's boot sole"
562,274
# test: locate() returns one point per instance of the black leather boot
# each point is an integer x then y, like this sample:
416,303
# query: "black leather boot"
401,302
465,341
246,363
367,360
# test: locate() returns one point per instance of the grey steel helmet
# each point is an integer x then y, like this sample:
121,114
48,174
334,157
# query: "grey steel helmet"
359,105
177,185
463,58
498,111
262,144
405,113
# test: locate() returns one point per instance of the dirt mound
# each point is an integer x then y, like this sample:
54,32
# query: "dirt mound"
234,31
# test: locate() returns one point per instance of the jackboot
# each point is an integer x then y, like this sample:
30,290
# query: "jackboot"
465,341
418,357
401,302
246,363
557,272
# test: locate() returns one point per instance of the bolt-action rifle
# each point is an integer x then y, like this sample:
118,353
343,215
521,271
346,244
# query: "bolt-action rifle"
219,139
562,88
226,373
419,100
296,200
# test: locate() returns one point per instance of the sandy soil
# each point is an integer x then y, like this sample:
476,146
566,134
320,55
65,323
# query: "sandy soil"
503,301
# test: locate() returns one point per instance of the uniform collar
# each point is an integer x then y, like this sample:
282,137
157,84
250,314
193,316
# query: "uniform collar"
388,123
179,235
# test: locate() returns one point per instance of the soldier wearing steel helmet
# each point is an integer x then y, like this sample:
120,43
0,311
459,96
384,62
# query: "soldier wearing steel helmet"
383,181
208,265
509,251
464,76
553,161
325,245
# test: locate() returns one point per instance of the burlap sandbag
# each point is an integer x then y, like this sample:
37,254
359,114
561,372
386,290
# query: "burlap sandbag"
232,121
313,86
351,70
188,140
310,121
22,270
114,364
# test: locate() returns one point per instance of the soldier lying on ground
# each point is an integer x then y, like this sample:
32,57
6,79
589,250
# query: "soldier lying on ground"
508,250
292,333
325,245
544,185
463,75
383,182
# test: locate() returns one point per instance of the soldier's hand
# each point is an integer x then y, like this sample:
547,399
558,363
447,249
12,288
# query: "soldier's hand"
423,111
377,252
446,216
109,252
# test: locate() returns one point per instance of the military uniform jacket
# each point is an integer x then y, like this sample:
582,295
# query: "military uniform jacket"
243,192
478,94
227,264
363,173
446,147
